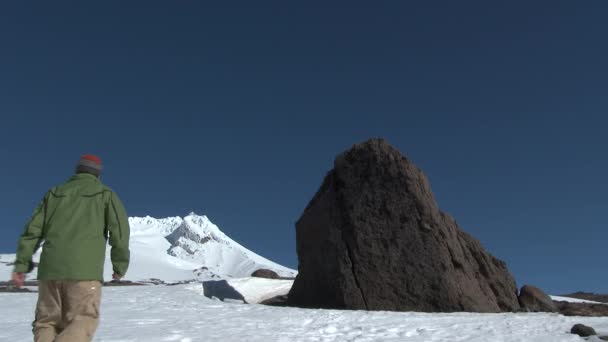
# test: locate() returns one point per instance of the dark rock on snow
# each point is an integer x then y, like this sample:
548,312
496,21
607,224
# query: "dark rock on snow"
12,289
533,299
10,283
122,283
264,273
276,301
583,330
373,238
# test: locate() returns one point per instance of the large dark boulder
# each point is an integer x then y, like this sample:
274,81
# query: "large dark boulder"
373,238
533,299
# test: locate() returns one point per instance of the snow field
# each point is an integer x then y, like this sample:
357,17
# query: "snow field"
180,313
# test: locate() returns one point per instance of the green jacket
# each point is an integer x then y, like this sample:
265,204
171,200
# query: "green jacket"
75,220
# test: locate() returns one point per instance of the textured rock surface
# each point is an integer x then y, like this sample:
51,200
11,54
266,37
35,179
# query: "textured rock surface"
533,299
373,238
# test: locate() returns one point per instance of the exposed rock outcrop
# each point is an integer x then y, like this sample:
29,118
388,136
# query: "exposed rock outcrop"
373,238
582,309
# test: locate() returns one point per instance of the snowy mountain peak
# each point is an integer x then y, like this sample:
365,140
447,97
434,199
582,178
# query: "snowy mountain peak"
201,225
196,243
193,214
150,225
192,234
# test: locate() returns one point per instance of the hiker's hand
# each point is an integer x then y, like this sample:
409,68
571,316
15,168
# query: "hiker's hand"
18,279
116,276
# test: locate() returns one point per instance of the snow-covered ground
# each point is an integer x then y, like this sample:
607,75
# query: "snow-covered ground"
176,249
180,313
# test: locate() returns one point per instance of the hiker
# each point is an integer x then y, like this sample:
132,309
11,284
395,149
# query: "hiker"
73,223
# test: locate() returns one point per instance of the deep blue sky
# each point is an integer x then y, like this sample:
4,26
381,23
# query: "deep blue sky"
237,112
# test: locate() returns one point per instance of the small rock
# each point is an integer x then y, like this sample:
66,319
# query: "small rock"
263,273
583,330
276,301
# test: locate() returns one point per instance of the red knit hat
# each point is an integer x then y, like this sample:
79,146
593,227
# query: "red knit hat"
89,163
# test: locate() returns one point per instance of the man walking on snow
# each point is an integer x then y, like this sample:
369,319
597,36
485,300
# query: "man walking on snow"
74,220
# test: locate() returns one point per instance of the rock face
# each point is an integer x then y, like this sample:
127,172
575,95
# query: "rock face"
533,299
264,273
373,238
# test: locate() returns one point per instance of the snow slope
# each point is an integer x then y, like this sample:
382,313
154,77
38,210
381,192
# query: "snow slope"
178,249
177,313
574,300
199,240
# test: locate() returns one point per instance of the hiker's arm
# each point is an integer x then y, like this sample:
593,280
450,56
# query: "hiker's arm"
30,239
118,227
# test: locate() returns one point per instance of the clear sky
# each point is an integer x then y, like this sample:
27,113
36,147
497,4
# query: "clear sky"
236,111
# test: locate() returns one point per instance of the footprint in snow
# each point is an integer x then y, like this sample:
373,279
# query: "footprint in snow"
307,322
177,337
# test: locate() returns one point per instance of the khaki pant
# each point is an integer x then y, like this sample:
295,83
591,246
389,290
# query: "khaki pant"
67,311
